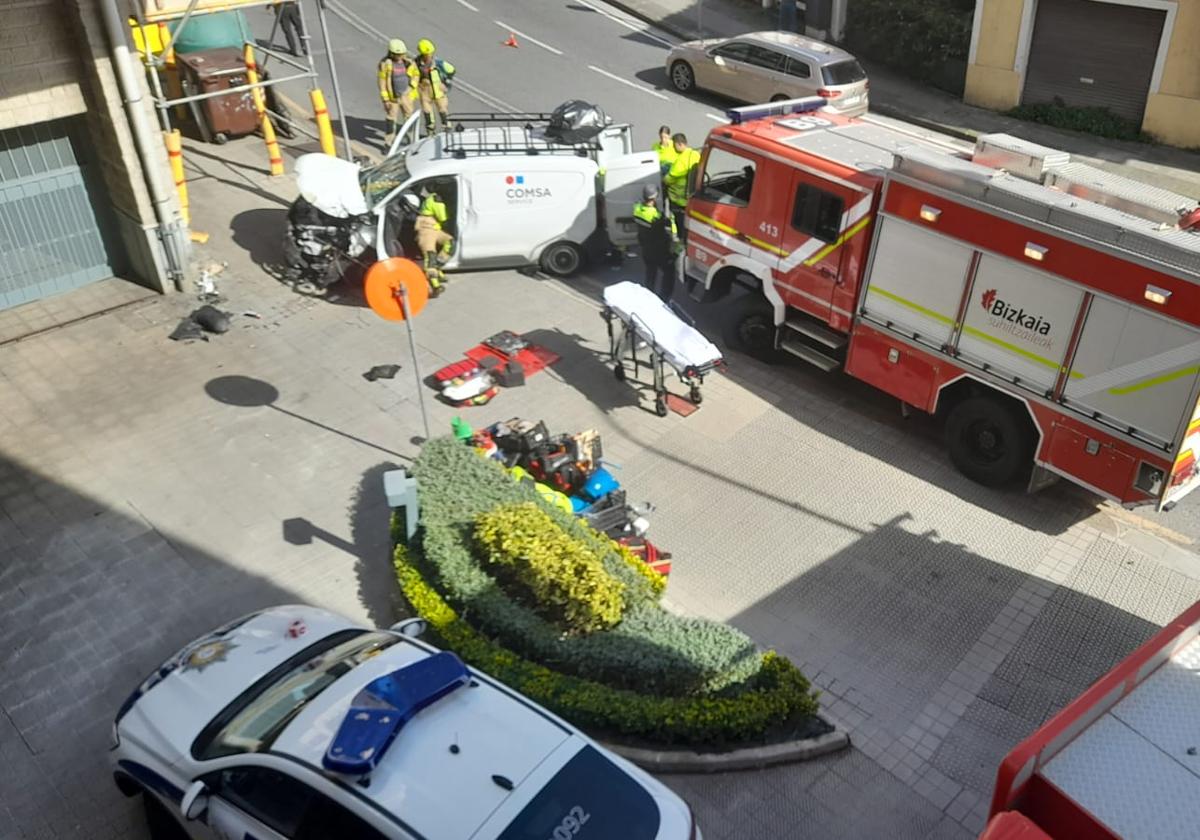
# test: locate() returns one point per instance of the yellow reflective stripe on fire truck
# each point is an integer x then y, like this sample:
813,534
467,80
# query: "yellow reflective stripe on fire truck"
938,316
916,307
724,228
842,240
1157,380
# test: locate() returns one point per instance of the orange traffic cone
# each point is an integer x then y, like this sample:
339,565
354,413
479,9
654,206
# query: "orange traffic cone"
512,41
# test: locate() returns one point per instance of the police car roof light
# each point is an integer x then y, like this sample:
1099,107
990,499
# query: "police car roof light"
737,116
385,705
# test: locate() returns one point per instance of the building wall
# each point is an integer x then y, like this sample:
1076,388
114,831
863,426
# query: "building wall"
54,63
1173,113
992,80
999,53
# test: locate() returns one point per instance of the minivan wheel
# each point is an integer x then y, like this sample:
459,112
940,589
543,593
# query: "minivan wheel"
562,259
682,76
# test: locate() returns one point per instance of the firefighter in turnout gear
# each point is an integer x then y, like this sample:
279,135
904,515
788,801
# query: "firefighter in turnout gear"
395,89
658,242
678,180
430,78
434,243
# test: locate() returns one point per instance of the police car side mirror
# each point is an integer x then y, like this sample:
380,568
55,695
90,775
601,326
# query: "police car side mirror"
411,627
195,801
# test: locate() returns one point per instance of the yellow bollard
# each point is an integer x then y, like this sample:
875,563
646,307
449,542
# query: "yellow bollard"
175,156
324,126
260,105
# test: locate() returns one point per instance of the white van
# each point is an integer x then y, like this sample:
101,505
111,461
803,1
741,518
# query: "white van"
515,196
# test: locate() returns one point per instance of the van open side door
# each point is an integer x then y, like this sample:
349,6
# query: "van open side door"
623,180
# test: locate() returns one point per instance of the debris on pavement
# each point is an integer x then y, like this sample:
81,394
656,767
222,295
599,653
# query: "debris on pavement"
381,372
206,319
188,330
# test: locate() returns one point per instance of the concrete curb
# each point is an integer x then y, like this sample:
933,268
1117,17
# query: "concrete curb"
751,758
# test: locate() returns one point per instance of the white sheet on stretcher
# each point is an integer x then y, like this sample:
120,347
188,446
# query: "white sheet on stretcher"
681,344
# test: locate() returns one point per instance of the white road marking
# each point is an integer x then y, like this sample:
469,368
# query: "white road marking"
616,78
468,5
504,25
626,23
493,102
716,118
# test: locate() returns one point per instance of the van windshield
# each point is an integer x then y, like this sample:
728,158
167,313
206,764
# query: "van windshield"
843,73
379,180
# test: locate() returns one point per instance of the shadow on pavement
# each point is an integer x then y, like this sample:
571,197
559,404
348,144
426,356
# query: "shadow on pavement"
885,622
260,233
370,543
583,366
247,392
94,597
210,165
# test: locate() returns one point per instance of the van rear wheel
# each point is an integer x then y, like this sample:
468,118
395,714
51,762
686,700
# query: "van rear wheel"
562,259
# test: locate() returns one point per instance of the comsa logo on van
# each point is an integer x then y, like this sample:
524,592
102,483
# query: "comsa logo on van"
518,192
1026,324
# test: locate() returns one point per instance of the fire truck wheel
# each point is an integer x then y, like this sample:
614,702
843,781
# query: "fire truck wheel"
989,441
683,77
750,328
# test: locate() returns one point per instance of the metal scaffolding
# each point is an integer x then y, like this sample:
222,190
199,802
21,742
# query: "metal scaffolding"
151,13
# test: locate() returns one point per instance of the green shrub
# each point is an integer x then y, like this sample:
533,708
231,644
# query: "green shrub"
1099,121
925,39
566,579
650,649
779,691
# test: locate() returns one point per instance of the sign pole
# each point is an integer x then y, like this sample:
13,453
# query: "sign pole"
402,294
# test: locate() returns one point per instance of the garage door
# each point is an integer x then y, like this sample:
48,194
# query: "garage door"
1088,53
51,237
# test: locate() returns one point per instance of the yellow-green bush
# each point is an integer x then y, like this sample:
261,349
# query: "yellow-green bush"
779,691
568,581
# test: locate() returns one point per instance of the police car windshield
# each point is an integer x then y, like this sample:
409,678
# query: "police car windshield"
379,180
254,720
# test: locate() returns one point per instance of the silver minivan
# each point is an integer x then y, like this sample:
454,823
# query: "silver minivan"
763,66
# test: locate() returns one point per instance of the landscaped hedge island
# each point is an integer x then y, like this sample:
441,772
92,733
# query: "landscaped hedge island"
533,596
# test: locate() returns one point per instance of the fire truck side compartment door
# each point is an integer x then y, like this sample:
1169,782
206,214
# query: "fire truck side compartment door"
1019,322
1185,472
916,281
624,178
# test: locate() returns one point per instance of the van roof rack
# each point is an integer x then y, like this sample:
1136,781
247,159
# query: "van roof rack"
508,133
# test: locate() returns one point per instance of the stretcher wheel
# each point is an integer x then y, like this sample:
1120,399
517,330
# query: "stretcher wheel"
619,373
660,406
695,395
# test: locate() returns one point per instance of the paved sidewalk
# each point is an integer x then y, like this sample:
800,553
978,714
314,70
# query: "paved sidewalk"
150,490
893,95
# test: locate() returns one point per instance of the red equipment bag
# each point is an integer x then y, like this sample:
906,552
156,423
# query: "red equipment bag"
463,369
651,555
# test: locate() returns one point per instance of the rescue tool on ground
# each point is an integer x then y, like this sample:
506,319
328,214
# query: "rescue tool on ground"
1050,311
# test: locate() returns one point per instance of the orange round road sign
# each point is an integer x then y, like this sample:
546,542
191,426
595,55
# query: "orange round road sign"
384,281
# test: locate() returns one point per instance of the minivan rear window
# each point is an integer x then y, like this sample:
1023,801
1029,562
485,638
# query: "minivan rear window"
590,799
843,73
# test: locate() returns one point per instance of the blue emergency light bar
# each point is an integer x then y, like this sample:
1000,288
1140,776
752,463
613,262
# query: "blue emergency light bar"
737,116
384,705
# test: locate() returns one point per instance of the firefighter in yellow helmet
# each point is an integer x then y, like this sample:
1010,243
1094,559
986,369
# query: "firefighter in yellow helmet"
394,89
434,243
430,78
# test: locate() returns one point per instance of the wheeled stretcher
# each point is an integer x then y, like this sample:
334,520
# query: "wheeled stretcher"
636,316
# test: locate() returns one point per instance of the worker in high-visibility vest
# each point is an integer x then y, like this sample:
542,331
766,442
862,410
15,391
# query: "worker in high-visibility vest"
664,148
657,243
430,78
678,180
394,89
434,243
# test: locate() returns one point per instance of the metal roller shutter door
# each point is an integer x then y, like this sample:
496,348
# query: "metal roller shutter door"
51,236
1093,54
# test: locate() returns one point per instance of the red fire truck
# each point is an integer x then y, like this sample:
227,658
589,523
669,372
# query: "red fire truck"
1122,760
1050,311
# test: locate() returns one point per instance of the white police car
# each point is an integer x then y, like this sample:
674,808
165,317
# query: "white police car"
295,722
